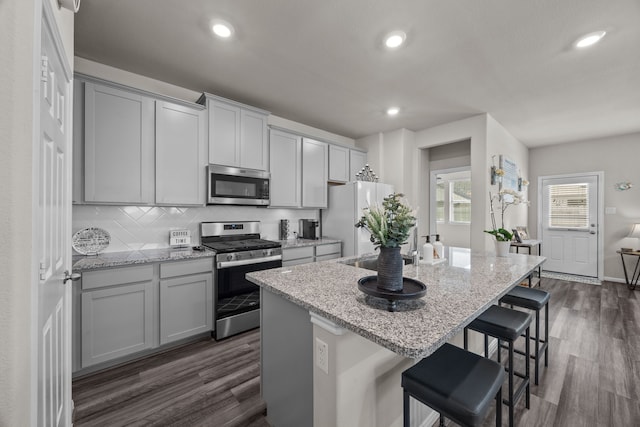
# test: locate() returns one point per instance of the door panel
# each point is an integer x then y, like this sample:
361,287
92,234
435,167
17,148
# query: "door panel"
53,230
569,224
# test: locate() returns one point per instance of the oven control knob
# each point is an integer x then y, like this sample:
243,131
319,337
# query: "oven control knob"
265,253
229,257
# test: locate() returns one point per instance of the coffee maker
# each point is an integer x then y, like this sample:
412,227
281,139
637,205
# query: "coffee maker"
309,229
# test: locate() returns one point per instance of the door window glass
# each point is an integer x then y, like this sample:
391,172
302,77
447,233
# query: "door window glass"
569,205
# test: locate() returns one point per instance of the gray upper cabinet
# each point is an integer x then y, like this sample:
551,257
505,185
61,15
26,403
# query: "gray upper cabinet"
315,173
119,146
237,133
299,171
286,170
338,163
356,162
254,146
180,154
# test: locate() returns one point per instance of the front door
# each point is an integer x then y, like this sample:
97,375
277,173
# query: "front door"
569,224
53,226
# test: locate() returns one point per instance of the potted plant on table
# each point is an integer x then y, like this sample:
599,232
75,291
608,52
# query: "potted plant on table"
503,236
389,226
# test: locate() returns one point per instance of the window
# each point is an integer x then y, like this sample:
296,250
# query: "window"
460,201
569,205
440,201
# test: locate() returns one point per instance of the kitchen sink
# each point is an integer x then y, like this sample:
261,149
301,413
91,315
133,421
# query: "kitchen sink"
372,263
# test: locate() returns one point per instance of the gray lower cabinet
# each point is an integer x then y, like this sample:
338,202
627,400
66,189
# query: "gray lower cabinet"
329,251
306,254
186,301
295,256
128,310
118,313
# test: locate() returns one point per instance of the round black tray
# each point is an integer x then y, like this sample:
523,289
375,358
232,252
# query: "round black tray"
411,289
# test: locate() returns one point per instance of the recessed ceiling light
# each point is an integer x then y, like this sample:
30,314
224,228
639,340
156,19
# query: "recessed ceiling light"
395,39
222,29
590,39
392,111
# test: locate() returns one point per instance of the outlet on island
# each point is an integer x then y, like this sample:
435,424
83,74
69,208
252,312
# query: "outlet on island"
322,355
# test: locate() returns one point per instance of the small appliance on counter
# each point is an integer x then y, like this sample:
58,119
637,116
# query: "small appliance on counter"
309,229
284,229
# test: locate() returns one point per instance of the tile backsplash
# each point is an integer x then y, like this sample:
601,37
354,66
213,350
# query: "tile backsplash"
147,227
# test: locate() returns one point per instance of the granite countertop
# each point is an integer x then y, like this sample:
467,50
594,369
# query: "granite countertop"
458,290
120,259
296,243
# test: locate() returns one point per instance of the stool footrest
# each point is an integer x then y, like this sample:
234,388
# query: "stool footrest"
518,391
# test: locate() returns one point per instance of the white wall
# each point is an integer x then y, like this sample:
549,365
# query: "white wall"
617,157
16,86
442,157
474,129
19,32
500,141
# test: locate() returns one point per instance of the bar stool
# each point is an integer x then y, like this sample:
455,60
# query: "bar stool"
505,325
533,299
460,385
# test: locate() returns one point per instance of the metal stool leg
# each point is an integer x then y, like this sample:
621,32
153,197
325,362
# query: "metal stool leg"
546,334
405,409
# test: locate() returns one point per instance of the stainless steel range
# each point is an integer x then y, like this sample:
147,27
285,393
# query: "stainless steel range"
239,250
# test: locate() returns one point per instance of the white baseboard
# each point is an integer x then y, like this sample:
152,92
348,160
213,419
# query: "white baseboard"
614,279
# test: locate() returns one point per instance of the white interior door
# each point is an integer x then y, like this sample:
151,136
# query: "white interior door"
53,230
570,224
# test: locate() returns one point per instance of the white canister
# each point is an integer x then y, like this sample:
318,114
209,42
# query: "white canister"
427,251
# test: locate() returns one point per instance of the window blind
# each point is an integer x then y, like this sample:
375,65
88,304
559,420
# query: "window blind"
569,205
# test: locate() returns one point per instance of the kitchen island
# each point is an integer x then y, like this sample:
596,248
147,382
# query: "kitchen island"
332,356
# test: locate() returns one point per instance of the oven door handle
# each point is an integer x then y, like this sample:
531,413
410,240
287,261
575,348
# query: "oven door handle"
229,264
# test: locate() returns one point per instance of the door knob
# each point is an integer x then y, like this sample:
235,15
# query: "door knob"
71,276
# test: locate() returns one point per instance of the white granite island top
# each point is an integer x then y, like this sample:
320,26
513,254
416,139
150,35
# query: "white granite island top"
457,292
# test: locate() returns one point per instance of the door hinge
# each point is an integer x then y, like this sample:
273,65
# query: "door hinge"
44,68
43,271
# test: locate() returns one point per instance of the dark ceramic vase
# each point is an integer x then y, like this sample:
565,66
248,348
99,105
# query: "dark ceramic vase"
390,269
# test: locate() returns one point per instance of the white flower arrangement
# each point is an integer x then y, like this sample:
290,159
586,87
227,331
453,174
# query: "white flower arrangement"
500,233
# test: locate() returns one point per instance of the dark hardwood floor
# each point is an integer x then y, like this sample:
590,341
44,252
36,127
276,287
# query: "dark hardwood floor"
593,378
206,383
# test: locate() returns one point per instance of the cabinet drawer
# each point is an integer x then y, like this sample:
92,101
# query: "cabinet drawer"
297,253
116,276
183,268
297,262
333,248
326,257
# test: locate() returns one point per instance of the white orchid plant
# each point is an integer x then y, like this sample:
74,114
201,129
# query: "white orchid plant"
506,198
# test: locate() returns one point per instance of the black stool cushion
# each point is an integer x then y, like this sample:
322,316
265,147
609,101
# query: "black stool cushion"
459,384
533,299
501,322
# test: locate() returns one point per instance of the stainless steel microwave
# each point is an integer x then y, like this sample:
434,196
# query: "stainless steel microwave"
237,186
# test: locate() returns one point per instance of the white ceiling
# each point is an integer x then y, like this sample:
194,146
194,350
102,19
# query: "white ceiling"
321,62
